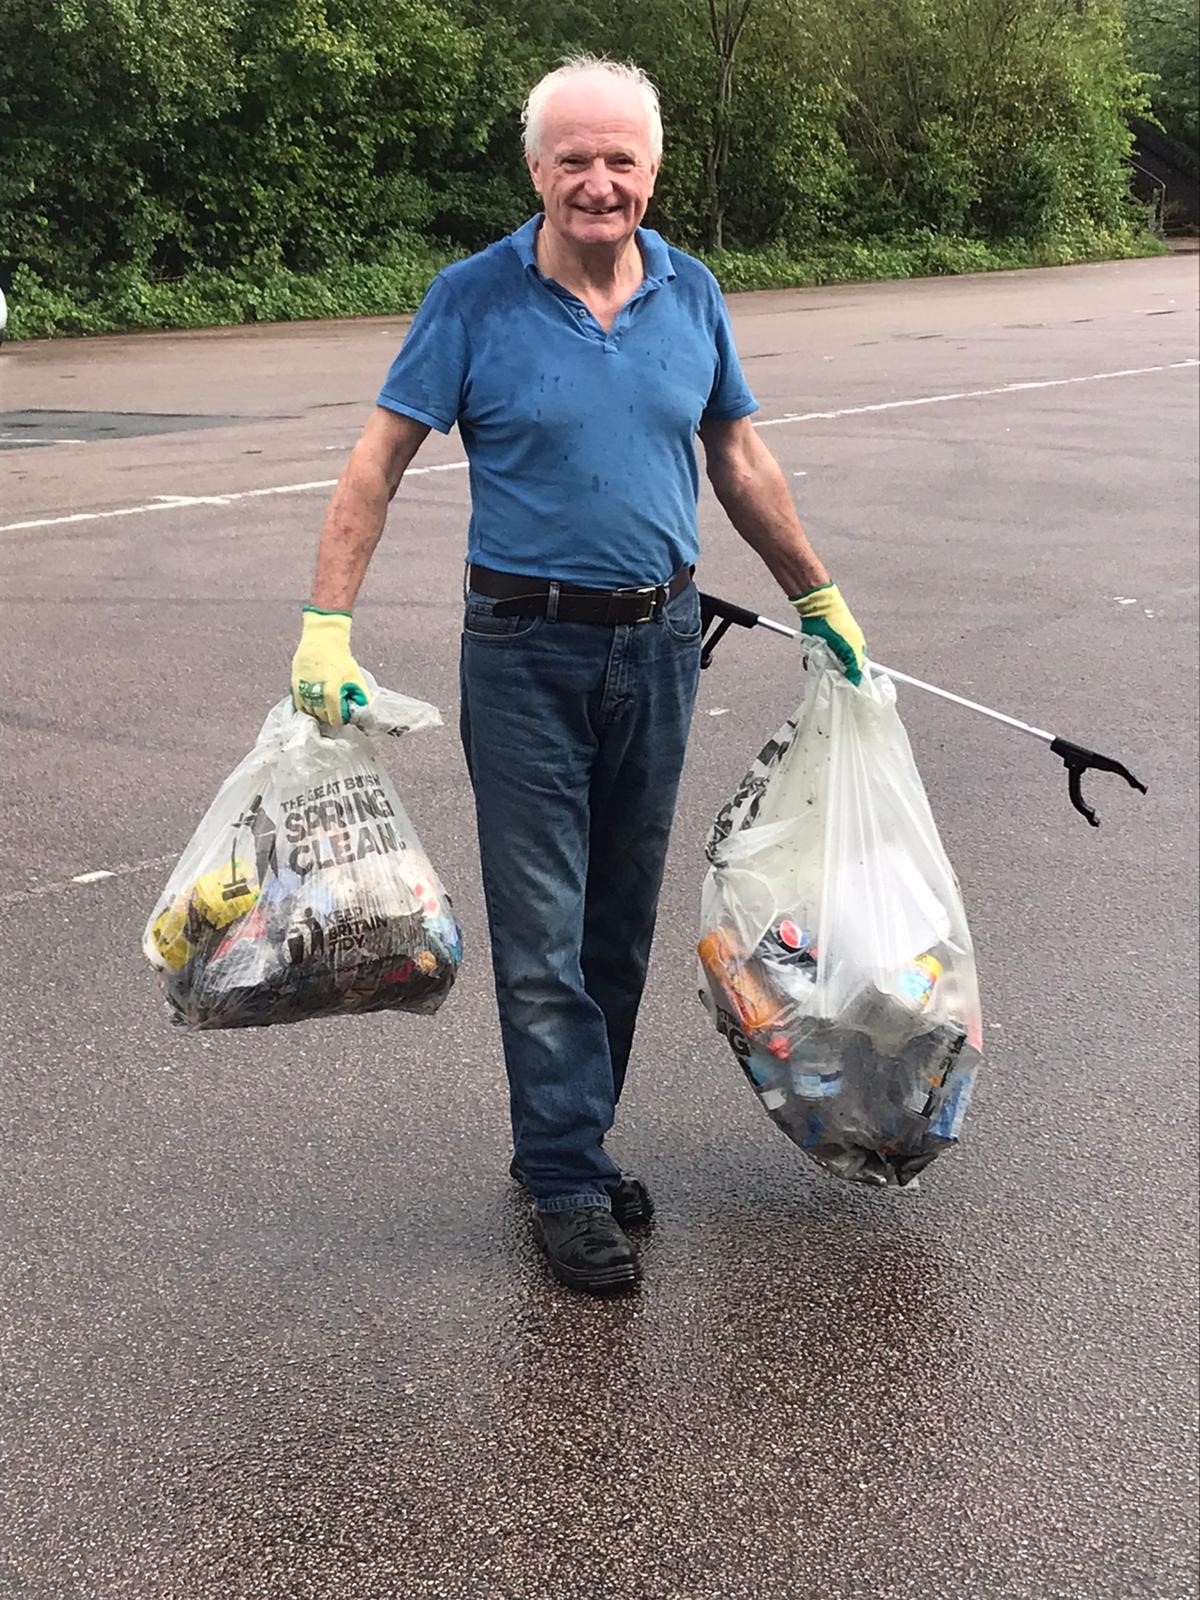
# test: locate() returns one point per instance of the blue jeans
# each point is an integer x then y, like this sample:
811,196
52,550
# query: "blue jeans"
574,735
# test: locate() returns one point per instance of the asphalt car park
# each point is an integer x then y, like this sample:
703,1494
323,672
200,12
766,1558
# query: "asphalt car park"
274,1326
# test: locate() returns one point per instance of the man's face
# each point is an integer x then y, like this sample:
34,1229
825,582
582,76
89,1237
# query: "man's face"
594,170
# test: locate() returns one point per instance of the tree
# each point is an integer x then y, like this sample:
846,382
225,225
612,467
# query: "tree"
1165,37
726,22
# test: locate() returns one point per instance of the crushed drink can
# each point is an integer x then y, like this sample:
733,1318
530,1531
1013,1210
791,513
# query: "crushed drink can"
918,980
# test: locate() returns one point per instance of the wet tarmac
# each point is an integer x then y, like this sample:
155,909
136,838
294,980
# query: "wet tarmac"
273,1324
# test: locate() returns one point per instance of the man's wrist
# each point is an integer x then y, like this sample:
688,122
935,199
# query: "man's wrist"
794,599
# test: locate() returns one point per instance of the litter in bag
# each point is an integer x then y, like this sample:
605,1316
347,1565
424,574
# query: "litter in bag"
305,891
834,954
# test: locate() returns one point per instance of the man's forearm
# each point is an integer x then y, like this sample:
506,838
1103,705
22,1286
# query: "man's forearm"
351,530
754,495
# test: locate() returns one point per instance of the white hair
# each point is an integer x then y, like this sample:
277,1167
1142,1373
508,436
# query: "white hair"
590,66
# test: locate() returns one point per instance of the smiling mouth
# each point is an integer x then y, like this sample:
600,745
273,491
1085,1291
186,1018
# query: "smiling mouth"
598,211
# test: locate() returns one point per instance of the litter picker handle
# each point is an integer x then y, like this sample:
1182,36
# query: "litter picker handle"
710,610
1077,758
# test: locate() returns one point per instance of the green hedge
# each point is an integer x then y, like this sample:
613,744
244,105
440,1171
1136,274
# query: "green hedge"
172,164
120,301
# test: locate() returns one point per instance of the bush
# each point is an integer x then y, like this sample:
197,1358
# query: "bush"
169,165
1165,36
122,301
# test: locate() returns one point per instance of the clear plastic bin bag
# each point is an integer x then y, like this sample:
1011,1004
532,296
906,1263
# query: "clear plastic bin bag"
305,892
834,955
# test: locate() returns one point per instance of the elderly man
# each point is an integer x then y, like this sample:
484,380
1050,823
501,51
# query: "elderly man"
580,357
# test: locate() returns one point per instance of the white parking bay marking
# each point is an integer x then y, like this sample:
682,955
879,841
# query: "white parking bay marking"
183,502
186,502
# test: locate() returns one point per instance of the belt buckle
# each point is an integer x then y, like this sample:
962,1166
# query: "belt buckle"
657,594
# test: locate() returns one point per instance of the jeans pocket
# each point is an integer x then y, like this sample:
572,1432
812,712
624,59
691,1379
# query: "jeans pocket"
481,622
682,615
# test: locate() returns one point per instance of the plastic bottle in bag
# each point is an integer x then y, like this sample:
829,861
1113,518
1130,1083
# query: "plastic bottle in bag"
815,1064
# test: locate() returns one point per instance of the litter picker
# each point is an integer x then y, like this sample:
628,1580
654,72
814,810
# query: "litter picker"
718,616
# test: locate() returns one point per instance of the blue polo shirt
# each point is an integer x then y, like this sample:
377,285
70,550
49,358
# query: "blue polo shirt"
581,443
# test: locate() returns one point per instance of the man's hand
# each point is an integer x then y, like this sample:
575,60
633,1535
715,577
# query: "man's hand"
326,679
825,615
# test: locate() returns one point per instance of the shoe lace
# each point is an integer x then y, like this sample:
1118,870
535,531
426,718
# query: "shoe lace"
595,1230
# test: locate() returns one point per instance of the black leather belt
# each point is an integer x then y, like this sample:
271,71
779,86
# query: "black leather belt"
571,602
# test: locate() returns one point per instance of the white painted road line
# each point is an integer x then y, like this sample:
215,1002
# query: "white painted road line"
167,503
971,394
20,439
36,891
178,502
182,502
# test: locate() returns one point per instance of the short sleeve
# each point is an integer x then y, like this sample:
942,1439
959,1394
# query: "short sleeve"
427,378
730,396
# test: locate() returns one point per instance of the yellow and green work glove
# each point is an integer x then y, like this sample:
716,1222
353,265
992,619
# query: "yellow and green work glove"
825,615
326,679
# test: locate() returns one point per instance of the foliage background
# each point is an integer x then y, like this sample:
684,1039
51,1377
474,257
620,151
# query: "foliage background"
168,164
1165,44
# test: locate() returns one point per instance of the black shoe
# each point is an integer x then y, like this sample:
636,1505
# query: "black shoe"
587,1250
631,1202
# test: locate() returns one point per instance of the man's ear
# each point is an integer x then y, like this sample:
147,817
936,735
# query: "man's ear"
531,163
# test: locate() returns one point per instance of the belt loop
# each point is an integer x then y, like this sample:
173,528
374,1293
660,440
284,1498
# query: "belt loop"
552,602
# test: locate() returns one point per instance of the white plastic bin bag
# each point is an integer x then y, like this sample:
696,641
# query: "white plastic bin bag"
834,951
305,891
